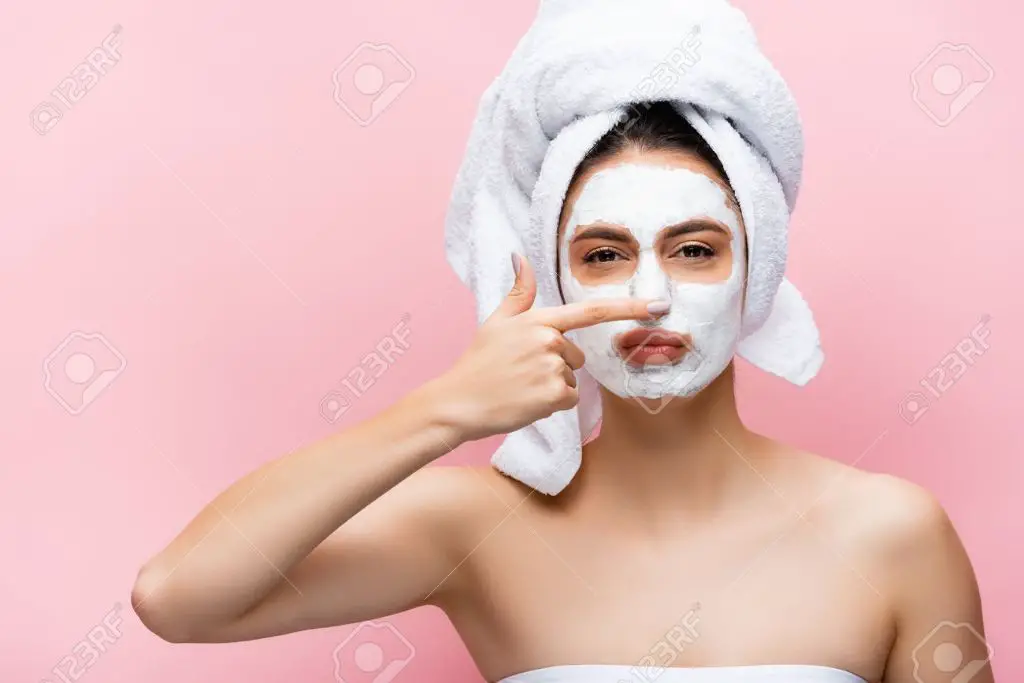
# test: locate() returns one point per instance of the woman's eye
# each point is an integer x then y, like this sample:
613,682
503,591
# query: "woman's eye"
696,251
601,256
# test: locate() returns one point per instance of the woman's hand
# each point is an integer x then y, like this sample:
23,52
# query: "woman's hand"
520,367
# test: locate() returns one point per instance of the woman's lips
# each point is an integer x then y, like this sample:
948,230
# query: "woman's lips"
652,346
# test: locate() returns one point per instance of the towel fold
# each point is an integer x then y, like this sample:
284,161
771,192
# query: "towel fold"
571,79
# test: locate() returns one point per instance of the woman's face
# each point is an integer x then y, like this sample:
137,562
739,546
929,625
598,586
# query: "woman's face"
658,224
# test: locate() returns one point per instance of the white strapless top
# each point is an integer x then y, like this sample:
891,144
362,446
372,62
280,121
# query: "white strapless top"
610,673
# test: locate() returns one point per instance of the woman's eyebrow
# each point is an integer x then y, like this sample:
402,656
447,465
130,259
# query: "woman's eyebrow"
603,232
696,225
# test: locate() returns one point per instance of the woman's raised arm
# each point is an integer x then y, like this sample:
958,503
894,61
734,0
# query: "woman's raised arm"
296,544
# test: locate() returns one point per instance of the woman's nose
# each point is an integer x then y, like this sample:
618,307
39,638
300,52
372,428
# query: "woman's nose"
649,280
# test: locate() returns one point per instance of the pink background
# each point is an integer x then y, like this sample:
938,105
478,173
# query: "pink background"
211,210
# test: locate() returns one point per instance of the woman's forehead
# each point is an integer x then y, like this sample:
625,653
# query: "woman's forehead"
643,167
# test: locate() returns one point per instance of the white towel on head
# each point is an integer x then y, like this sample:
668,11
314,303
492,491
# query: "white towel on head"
569,81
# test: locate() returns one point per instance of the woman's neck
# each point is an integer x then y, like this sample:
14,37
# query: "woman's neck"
689,456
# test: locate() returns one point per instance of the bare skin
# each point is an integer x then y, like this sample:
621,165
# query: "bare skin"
792,558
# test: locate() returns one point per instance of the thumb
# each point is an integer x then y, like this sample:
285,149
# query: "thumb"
524,290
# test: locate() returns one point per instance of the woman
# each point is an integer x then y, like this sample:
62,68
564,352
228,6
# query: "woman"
685,541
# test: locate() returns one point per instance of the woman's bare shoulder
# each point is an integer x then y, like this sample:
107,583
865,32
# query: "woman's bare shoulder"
456,509
462,497
881,519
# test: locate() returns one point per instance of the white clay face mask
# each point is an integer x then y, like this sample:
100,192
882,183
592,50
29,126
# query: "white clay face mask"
646,199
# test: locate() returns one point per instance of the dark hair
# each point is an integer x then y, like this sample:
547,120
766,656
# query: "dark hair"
650,126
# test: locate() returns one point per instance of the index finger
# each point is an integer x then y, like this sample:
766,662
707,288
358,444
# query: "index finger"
587,313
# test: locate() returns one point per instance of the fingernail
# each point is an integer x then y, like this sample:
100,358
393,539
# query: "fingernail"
658,307
515,263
